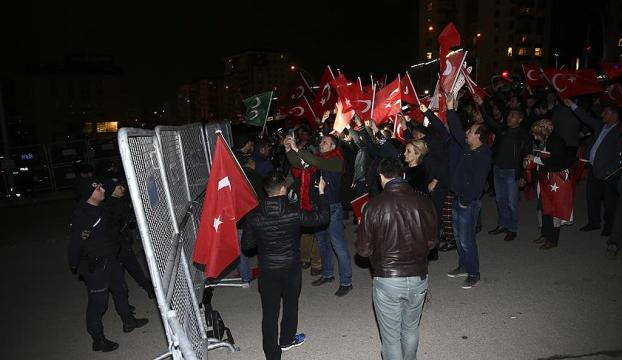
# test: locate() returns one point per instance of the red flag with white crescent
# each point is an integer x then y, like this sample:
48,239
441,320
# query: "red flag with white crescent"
557,191
409,94
217,245
571,83
326,96
448,38
533,75
388,101
302,110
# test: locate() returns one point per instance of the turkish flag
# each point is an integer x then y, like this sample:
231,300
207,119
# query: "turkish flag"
612,71
347,92
217,244
363,104
533,75
448,38
557,191
571,83
474,89
357,206
326,96
342,118
451,78
388,101
301,88
398,130
612,95
409,94
437,102
302,110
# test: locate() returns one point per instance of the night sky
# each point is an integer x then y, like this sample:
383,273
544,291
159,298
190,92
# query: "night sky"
160,47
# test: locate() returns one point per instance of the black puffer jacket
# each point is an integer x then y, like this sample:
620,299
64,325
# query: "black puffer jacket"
274,229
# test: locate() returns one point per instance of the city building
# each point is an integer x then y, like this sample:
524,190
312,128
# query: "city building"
499,34
82,95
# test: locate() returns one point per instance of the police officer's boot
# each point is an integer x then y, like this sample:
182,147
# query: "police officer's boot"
100,343
132,323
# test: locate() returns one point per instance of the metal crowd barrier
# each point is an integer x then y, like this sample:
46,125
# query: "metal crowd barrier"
167,172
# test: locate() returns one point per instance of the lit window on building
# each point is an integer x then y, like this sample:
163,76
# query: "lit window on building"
620,42
537,51
107,126
510,51
523,51
428,55
87,128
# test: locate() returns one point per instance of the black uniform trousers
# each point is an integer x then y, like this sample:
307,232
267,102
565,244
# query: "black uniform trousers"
107,276
275,285
131,264
598,192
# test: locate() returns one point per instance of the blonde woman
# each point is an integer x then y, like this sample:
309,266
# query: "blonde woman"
415,172
553,168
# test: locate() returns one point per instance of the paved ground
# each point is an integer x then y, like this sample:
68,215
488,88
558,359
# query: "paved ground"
560,304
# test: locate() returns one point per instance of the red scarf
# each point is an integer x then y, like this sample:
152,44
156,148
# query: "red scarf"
305,178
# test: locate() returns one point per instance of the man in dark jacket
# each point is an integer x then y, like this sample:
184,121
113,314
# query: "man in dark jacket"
512,144
467,184
397,230
93,252
603,154
274,229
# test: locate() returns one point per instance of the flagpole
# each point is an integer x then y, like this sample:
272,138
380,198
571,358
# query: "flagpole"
373,98
460,71
305,81
310,108
265,121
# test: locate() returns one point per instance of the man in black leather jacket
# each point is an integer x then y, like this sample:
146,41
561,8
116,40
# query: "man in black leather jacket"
274,229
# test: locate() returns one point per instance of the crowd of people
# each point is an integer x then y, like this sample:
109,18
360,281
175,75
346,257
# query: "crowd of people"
424,183
425,187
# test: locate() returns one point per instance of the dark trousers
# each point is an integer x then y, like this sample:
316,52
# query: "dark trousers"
107,276
549,231
131,264
598,192
275,285
616,231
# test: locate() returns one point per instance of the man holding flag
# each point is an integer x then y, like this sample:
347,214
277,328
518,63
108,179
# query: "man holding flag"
274,229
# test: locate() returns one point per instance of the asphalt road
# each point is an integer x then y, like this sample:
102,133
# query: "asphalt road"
530,304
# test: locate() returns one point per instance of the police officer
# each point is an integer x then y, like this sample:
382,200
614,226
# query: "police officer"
94,254
118,212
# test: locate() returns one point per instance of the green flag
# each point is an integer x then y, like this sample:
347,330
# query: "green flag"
257,107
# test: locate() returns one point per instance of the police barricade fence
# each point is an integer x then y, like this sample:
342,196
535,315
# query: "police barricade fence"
167,170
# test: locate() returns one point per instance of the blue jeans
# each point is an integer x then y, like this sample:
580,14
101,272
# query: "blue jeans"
464,221
506,190
243,266
399,303
333,239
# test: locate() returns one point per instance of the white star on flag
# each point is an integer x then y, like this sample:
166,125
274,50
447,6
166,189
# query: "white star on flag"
217,223
224,182
554,187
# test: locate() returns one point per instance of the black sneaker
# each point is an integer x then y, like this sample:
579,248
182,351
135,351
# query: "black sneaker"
589,227
447,247
497,230
470,281
612,252
299,339
457,272
132,323
100,343
323,280
343,290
